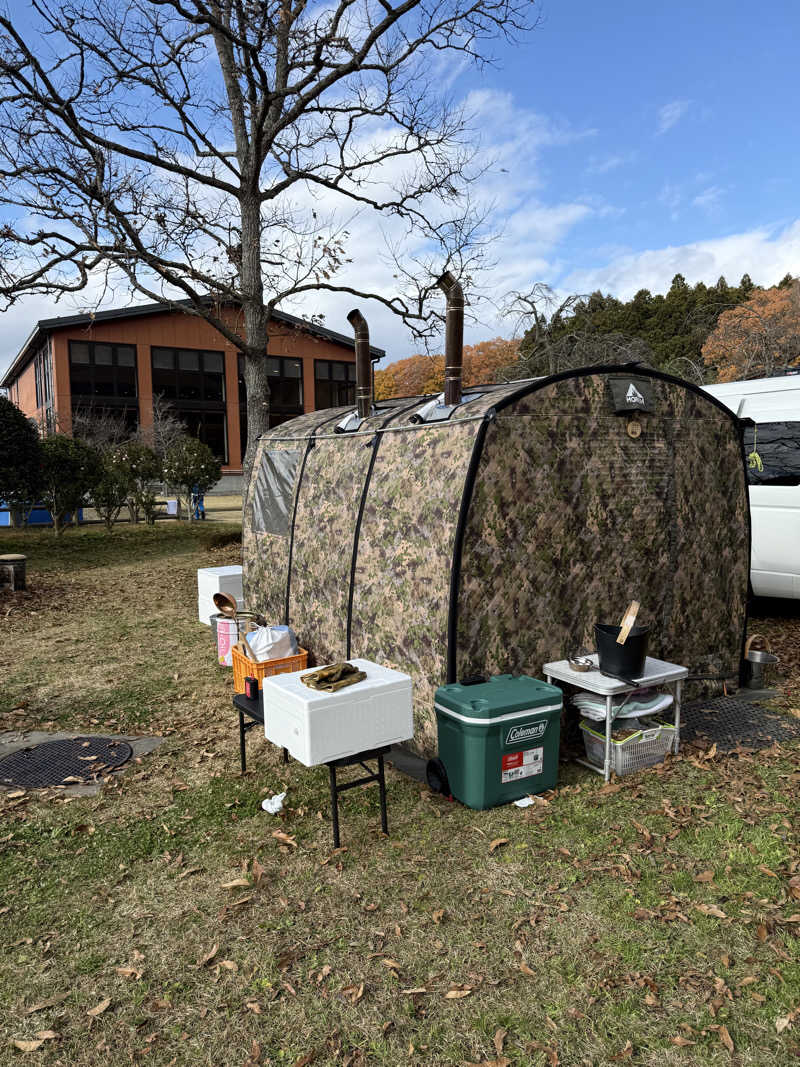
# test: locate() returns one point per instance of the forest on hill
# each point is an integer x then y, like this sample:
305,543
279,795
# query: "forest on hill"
699,332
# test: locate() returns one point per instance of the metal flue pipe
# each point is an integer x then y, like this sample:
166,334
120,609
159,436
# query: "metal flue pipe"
454,338
363,363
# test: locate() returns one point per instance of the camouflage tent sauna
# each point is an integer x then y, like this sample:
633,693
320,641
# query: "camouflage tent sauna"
493,540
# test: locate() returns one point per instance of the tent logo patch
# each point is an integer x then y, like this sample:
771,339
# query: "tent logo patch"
633,396
531,731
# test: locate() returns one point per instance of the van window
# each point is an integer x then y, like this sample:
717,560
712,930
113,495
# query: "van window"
778,445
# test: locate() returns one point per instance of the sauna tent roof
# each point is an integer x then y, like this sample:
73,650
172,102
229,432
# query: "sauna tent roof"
494,540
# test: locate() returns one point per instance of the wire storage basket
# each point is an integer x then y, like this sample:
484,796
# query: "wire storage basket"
642,749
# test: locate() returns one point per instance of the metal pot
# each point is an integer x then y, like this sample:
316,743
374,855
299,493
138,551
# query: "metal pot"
757,660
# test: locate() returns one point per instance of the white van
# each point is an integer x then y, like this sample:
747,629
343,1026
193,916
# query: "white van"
774,406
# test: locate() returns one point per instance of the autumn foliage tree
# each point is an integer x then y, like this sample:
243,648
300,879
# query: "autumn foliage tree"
759,337
423,374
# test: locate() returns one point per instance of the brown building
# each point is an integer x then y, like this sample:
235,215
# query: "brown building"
119,360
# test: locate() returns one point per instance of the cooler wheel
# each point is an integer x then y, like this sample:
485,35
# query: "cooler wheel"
436,776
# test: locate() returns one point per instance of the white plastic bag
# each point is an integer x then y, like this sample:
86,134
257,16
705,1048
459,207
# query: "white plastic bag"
272,642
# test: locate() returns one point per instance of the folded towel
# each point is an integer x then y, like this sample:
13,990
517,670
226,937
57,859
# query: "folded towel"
334,677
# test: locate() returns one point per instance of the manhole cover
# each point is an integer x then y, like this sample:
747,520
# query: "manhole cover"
68,762
730,723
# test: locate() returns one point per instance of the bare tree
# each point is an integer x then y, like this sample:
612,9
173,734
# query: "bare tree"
164,430
217,151
545,349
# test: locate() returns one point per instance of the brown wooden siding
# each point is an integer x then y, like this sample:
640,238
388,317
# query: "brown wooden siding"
174,329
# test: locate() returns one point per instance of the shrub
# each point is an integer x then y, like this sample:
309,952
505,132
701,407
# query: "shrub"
109,493
188,465
20,461
140,466
70,469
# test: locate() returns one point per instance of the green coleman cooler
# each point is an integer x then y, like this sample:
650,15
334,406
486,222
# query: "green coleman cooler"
498,739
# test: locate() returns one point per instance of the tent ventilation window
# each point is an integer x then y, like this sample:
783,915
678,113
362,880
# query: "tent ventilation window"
274,489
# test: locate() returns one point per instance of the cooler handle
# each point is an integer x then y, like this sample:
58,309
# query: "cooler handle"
474,679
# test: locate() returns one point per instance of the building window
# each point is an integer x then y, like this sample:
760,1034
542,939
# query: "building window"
192,380
285,377
335,383
43,375
107,371
189,374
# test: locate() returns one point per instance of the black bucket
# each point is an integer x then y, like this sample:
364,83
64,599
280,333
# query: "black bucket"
628,659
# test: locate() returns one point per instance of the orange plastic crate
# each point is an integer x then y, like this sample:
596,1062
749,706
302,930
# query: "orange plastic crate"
244,667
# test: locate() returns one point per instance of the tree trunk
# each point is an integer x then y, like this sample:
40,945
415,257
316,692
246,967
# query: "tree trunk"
255,329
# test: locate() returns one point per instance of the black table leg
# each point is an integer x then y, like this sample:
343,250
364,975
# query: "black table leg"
334,805
241,743
382,788
286,755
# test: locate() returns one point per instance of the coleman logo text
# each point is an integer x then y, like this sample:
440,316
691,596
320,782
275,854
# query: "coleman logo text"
531,731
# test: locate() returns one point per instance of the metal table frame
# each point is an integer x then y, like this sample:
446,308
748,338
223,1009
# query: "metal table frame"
254,711
656,672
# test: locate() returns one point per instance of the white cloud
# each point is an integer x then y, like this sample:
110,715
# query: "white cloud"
709,200
671,114
765,254
607,163
671,197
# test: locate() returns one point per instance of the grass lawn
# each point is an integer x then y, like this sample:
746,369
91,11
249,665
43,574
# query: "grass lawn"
653,921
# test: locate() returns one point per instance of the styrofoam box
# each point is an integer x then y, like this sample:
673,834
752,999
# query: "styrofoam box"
212,580
206,608
319,727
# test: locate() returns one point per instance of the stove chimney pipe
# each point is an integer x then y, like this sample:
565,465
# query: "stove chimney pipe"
454,338
363,364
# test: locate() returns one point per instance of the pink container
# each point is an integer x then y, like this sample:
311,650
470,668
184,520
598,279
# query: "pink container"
227,636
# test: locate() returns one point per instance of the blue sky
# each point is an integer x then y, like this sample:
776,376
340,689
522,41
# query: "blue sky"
689,127
630,141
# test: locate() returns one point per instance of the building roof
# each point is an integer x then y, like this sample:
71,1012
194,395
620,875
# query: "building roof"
44,326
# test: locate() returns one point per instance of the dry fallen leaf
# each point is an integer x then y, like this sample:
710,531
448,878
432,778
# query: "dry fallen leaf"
761,933
704,876
393,965
527,970
499,1040
681,1042
783,1023
711,909
237,883
285,839
498,843
98,1009
49,1003
725,1038
457,994
186,873
128,972
28,1046
209,956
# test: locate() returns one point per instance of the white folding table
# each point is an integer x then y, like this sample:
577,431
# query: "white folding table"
656,672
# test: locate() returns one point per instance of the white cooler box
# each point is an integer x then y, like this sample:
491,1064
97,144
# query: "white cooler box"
211,580
318,727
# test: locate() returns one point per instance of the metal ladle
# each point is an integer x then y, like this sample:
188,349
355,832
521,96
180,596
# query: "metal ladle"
226,605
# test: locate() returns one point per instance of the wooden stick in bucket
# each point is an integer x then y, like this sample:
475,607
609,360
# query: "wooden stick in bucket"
628,619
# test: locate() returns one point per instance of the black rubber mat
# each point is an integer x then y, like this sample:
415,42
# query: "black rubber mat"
69,762
733,723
